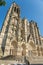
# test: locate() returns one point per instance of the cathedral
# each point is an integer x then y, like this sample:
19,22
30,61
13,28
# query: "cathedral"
20,38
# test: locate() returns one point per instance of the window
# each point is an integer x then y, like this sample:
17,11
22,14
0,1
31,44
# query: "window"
15,9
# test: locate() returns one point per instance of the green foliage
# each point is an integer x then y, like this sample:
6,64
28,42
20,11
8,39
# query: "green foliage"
2,2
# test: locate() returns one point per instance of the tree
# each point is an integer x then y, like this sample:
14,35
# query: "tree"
2,2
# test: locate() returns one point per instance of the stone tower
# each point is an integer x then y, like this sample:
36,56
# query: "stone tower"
13,33
35,33
9,30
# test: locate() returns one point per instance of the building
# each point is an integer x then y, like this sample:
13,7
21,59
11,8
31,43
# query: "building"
20,37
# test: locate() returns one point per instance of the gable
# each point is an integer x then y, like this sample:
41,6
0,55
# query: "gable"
31,42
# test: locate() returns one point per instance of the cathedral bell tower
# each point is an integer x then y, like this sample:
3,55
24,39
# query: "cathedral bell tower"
9,29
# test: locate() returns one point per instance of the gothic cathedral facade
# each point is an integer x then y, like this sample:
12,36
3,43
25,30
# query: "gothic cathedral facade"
19,37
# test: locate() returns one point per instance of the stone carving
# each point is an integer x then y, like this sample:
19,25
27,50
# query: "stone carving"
16,35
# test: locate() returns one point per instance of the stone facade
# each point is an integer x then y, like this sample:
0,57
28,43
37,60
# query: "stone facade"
19,37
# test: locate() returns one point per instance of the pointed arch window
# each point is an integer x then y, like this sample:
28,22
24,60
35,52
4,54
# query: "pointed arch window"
14,8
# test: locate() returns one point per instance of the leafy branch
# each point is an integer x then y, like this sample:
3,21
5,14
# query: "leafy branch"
2,3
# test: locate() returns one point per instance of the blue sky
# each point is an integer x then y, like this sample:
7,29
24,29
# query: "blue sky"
31,9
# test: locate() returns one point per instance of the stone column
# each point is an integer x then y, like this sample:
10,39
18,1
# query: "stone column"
19,30
25,21
27,51
19,37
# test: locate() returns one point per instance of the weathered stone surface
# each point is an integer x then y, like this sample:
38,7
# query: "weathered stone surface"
20,38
